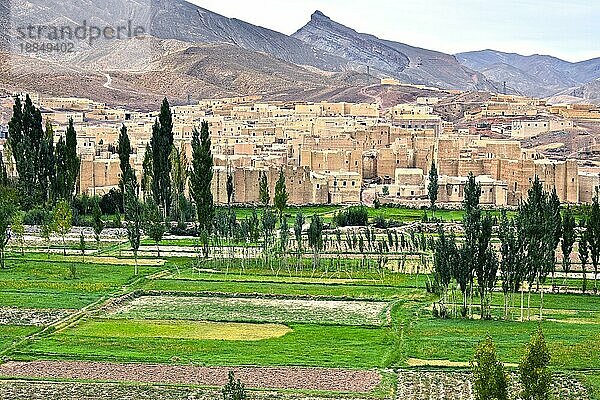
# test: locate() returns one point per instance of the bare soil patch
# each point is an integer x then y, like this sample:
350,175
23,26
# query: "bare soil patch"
438,385
22,316
119,261
255,310
330,379
36,390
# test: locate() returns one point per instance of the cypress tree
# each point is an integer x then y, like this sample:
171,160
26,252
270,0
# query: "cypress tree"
72,161
433,187
3,173
48,174
230,189
61,183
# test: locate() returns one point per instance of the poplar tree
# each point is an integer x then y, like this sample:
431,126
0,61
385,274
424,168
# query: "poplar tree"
263,190
445,257
161,143
512,261
201,177
584,251
97,222
133,215
476,257
147,172
315,238
298,224
567,240
541,225
281,195
124,150
179,175
593,236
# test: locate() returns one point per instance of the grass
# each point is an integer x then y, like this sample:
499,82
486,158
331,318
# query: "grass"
307,345
108,328
368,292
177,332
572,346
38,283
592,382
30,299
12,333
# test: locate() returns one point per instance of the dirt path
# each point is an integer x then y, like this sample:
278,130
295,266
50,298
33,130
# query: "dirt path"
253,377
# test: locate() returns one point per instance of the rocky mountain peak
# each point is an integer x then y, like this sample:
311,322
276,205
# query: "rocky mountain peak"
318,15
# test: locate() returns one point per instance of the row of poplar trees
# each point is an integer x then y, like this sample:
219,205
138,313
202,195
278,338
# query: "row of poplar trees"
166,174
526,256
45,173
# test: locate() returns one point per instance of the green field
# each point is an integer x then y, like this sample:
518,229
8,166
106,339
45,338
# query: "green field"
10,334
33,282
306,345
345,313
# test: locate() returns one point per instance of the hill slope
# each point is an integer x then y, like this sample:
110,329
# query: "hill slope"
175,19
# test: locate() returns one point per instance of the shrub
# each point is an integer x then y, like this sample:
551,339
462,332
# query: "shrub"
380,222
112,202
535,376
353,216
233,390
83,204
490,380
35,216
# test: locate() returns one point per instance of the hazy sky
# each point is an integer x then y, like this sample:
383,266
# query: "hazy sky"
569,29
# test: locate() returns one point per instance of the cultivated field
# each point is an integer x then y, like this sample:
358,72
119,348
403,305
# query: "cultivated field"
75,327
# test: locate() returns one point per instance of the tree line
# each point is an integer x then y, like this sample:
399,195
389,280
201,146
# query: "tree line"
46,174
525,259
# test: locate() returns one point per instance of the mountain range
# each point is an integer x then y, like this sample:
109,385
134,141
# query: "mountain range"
189,49
534,75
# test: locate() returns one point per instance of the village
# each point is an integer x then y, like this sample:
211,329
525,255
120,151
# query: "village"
344,153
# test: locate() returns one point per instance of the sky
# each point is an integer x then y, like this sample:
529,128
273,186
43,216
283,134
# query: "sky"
568,29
